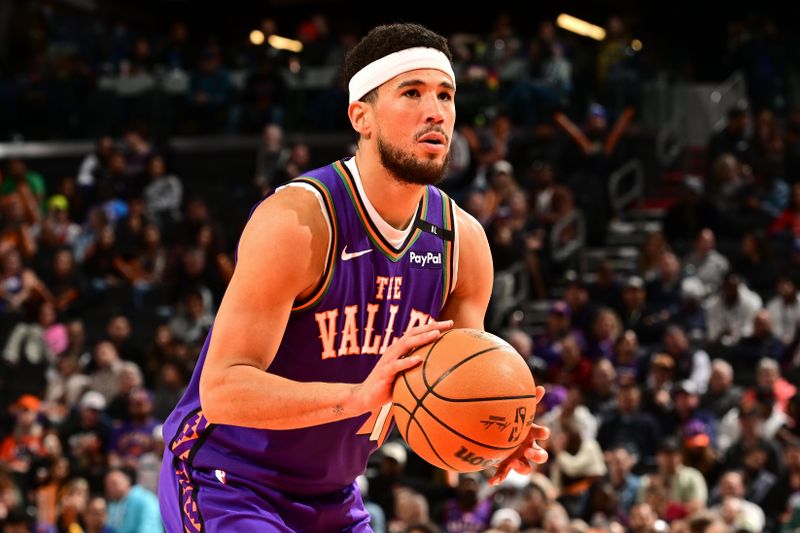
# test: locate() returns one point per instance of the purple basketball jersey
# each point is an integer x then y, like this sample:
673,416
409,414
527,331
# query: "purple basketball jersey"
371,293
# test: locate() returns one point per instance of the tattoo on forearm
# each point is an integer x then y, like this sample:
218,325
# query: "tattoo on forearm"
338,410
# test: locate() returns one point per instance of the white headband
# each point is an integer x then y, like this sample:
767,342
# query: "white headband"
382,70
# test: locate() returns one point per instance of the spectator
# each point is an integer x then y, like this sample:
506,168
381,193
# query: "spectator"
271,159
582,310
148,466
128,380
73,502
620,461
108,366
410,508
131,509
730,313
137,150
56,229
601,398
628,357
120,332
506,520
787,224
578,463
572,368
210,93
96,516
699,450
634,315
650,253
571,407
263,95
643,519
729,178
757,265
705,262
692,213
163,195
22,179
192,321
390,475
606,290
92,164
691,314
467,512
19,285
688,414
171,384
134,436
691,363
784,310
734,138
65,387
606,328
769,378
101,262
686,490
731,485
65,284
86,434
27,358
765,453
658,385
20,449
629,426
722,395
557,327
762,343
663,292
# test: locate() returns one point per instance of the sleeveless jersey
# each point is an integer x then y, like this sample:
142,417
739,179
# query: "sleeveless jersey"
370,294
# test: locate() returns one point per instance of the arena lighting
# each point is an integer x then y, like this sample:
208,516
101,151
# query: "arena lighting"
636,45
282,43
257,37
581,27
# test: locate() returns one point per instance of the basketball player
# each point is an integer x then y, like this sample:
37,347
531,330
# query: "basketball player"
339,275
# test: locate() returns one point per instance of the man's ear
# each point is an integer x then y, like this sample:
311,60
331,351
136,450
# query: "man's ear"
360,114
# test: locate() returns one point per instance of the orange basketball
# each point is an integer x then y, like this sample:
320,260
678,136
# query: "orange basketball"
470,402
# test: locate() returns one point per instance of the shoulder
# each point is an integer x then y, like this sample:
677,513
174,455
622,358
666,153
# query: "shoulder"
475,267
290,209
285,240
470,231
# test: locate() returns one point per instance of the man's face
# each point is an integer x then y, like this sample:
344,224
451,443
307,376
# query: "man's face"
414,116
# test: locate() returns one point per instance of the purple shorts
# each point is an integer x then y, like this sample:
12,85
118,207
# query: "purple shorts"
195,500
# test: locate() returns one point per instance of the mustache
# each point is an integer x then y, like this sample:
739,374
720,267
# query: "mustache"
432,129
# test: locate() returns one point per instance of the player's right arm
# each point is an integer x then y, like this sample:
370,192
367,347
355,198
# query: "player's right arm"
281,258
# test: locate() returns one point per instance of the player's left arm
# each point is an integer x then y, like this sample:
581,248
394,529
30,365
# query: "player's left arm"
466,307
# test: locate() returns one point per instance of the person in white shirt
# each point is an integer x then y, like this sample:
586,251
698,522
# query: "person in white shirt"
784,309
705,262
730,313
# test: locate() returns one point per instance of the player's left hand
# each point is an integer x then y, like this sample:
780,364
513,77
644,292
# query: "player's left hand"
528,452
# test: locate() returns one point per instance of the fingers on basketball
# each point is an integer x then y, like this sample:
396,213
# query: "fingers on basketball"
469,405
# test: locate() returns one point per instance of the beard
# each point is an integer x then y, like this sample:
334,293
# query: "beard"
408,169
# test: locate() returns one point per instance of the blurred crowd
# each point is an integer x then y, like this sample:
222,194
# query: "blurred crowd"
74,70
671,379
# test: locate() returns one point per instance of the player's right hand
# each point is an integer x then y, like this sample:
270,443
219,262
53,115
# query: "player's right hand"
376,390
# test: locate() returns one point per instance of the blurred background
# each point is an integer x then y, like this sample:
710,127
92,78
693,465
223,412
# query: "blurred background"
636,168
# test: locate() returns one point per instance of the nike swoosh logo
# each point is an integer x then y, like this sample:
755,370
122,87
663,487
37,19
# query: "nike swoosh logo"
348,256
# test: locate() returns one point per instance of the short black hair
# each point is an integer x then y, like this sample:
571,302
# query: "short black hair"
388,39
